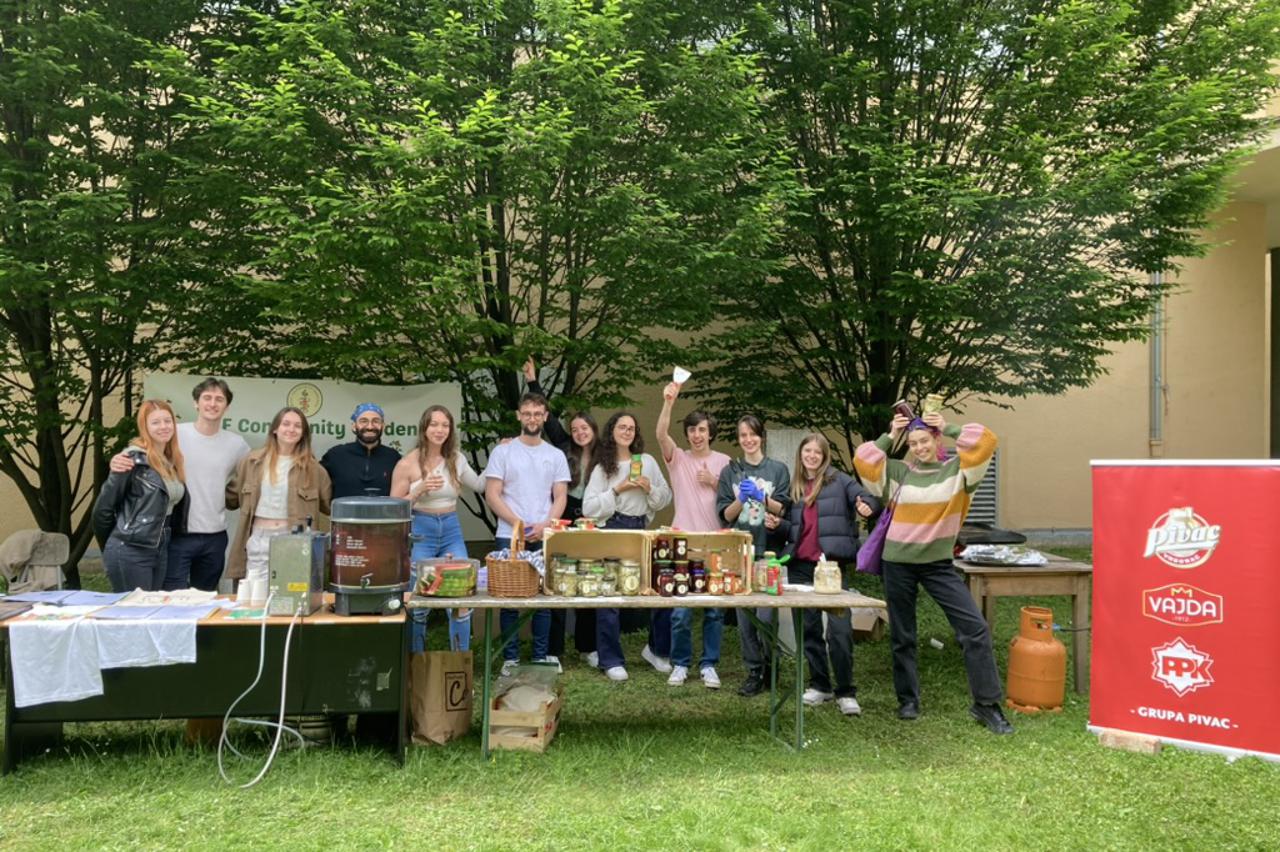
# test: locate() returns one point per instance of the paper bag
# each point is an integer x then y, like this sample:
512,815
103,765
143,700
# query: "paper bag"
439,696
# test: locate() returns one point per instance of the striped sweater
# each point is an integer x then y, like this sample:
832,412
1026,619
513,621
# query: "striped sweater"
933,497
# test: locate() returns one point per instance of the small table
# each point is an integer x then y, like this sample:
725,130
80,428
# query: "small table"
337,664
796,601
1059,577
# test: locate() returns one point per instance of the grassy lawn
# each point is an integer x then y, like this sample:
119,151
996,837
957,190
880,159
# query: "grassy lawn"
642,765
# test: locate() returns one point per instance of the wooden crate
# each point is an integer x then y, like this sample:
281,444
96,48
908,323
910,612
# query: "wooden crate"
735,547
598,544
540,725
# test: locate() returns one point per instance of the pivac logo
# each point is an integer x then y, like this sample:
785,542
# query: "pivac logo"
1180,538
305,397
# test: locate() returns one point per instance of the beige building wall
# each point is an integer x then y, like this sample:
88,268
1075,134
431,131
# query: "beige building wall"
1215,400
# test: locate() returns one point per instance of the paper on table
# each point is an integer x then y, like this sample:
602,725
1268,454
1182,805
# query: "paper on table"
53,596
87,598
126,611
51,611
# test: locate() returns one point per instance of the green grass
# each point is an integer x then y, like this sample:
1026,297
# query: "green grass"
642,765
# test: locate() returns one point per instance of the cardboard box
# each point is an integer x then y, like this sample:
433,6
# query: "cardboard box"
537,729
869,623
598,544
734,547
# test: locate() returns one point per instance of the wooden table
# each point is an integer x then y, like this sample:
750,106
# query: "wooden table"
337,664
1059,577
795,601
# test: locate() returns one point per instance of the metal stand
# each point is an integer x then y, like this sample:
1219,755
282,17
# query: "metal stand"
776,701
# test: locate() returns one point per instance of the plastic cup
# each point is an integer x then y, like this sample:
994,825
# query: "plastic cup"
680,375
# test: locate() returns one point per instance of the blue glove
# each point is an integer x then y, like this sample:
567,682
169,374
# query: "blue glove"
748,490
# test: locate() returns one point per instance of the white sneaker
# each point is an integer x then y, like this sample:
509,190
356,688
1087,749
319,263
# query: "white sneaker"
662,664
679,674
813,697
592,659
849,706
710,679
617,674
509,666
550,660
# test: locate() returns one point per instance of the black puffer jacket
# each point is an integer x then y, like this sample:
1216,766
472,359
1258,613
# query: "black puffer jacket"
837,527
133,506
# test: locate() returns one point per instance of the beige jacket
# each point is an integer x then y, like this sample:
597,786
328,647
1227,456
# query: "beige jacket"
308,495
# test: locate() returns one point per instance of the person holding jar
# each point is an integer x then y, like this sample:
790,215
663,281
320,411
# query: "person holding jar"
276,487
752,495
133,515
626,488
932,494
578,445
825,506
432,479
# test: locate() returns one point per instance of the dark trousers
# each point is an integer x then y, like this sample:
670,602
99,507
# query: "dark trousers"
660,632
608,625
196,561
507,618
838,642
132,566
944,585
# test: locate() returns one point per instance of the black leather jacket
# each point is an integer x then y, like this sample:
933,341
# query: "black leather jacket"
132,506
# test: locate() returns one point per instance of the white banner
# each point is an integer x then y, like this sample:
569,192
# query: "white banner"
328,406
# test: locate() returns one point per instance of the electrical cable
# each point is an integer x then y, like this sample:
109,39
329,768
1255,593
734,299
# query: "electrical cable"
279,725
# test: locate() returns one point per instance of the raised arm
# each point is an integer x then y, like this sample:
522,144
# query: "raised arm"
556,434
669,394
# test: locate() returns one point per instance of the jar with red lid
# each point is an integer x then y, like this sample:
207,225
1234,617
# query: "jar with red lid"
662,549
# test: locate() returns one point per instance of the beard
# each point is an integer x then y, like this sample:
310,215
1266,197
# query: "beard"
530,431
369,436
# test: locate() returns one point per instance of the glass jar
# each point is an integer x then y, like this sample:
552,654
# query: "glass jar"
587,566
629,577
760,575
589,585
697,579
662,549
715,583
567,583
681,578
608,586
667,581
732,582
826,578
659,567
611,569
680,547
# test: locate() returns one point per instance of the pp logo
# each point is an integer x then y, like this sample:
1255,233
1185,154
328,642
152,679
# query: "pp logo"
1182,539
1181,667
1182,605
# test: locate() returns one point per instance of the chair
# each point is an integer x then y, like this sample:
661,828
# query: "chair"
32,560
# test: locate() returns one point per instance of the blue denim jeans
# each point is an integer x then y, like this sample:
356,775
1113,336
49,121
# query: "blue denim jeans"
196,560
608,625
132,566
439,535
682,637
507,618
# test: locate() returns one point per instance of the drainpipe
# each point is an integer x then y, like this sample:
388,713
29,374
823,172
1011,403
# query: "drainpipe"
1155,438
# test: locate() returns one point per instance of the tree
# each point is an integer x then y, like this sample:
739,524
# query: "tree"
435,189
93,256
988,187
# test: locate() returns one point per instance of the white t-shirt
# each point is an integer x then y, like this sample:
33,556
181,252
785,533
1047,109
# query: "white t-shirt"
528,475
273,499
209,461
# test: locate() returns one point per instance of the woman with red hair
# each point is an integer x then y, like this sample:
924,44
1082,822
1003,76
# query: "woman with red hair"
133,515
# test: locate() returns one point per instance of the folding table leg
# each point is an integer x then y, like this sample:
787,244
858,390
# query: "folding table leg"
484,684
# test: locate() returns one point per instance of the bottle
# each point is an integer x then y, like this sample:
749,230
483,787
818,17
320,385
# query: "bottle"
637,467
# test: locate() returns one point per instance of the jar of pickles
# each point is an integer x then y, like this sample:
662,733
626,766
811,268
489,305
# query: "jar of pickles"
629,577
611,569
608,586
589,585
827,578
566,583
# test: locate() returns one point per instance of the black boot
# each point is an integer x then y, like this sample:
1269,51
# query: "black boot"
991,716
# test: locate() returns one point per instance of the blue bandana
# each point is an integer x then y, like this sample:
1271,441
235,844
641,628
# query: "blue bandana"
367,406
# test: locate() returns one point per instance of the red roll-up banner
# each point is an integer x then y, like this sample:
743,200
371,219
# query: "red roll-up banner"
1186,591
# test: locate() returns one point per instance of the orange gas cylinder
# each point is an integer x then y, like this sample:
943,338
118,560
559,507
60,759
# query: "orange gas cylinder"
1037,664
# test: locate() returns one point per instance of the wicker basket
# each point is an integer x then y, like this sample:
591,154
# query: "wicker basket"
512,578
